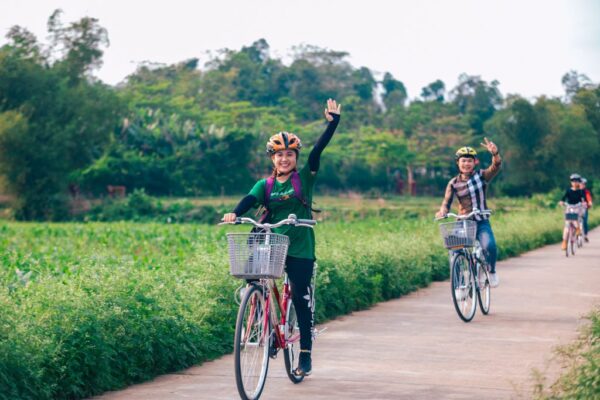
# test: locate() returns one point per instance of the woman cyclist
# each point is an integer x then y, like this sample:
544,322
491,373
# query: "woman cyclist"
279,195
573,195
469,187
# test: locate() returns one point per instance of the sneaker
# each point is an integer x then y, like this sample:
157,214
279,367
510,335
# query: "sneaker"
494,279
563,246
304,364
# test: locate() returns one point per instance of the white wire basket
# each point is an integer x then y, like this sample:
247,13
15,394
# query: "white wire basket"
257,255
572,213
459,234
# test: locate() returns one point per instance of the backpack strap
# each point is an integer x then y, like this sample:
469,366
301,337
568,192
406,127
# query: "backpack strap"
269,183
296,184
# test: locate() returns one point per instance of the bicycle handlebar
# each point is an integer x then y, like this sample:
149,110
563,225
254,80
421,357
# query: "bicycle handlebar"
290,220
580,204
475,211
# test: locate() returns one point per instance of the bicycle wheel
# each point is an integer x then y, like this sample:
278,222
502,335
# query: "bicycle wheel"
291,353
571,243
463,288
567,249
251,344
483,290
580,240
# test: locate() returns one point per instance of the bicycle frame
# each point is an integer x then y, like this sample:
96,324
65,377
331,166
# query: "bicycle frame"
275,303
469,253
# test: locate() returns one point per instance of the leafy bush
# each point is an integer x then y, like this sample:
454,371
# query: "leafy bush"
141,207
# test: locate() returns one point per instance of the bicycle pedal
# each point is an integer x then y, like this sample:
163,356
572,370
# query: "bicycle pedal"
318,332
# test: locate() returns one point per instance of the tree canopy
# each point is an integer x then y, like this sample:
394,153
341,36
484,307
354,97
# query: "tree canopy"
193,128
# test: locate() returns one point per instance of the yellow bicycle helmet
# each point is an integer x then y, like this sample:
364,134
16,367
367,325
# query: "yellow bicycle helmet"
283,141
465,152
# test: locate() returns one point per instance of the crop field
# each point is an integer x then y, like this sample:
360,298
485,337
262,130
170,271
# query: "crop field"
88,307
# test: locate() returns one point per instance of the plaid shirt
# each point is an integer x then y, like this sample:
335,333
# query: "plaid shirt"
471,190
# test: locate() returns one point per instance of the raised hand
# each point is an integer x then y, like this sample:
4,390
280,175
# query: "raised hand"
332,108
490,146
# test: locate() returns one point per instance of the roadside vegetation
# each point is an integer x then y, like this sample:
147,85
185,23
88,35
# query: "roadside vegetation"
88,307
580,362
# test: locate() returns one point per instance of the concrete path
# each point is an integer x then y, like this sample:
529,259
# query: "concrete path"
417,348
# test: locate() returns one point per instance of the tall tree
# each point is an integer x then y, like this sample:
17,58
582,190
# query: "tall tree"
435,91
53,119
395,93
476,99
572,81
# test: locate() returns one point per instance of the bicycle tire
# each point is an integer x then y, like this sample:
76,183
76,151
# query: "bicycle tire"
571,243
291,352
463,287
579,241
251,349
484,292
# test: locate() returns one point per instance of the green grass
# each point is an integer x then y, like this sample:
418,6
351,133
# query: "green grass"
91,307
580,360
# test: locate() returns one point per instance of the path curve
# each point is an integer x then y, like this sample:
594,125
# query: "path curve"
416,347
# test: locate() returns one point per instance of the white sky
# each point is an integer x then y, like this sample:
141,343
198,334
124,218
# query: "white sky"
527,45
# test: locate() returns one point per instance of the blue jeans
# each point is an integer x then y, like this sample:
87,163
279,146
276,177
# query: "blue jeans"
486,238
585,222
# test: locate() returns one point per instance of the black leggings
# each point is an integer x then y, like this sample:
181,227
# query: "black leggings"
300,272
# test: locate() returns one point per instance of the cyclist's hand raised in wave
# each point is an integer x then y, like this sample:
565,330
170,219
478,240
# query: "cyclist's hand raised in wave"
490,146
332,108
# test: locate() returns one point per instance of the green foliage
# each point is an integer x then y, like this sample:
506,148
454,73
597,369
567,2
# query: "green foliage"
141,207
544,143
189,129
52,119
476,99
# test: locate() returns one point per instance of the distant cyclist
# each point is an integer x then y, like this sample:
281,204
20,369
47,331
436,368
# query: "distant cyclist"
574,195
289,191
469,187
588,199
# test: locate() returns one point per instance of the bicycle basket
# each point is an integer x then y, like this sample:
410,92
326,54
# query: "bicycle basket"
572,213
571,216
257,255
459,234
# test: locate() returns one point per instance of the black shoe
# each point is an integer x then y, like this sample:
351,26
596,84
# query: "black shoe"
586,239
304,364
273,350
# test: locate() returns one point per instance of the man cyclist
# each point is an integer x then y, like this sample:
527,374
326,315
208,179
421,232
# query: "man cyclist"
574,195
588,199
469,187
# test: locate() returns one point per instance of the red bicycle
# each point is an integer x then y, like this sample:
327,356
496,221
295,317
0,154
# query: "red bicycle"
266,321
